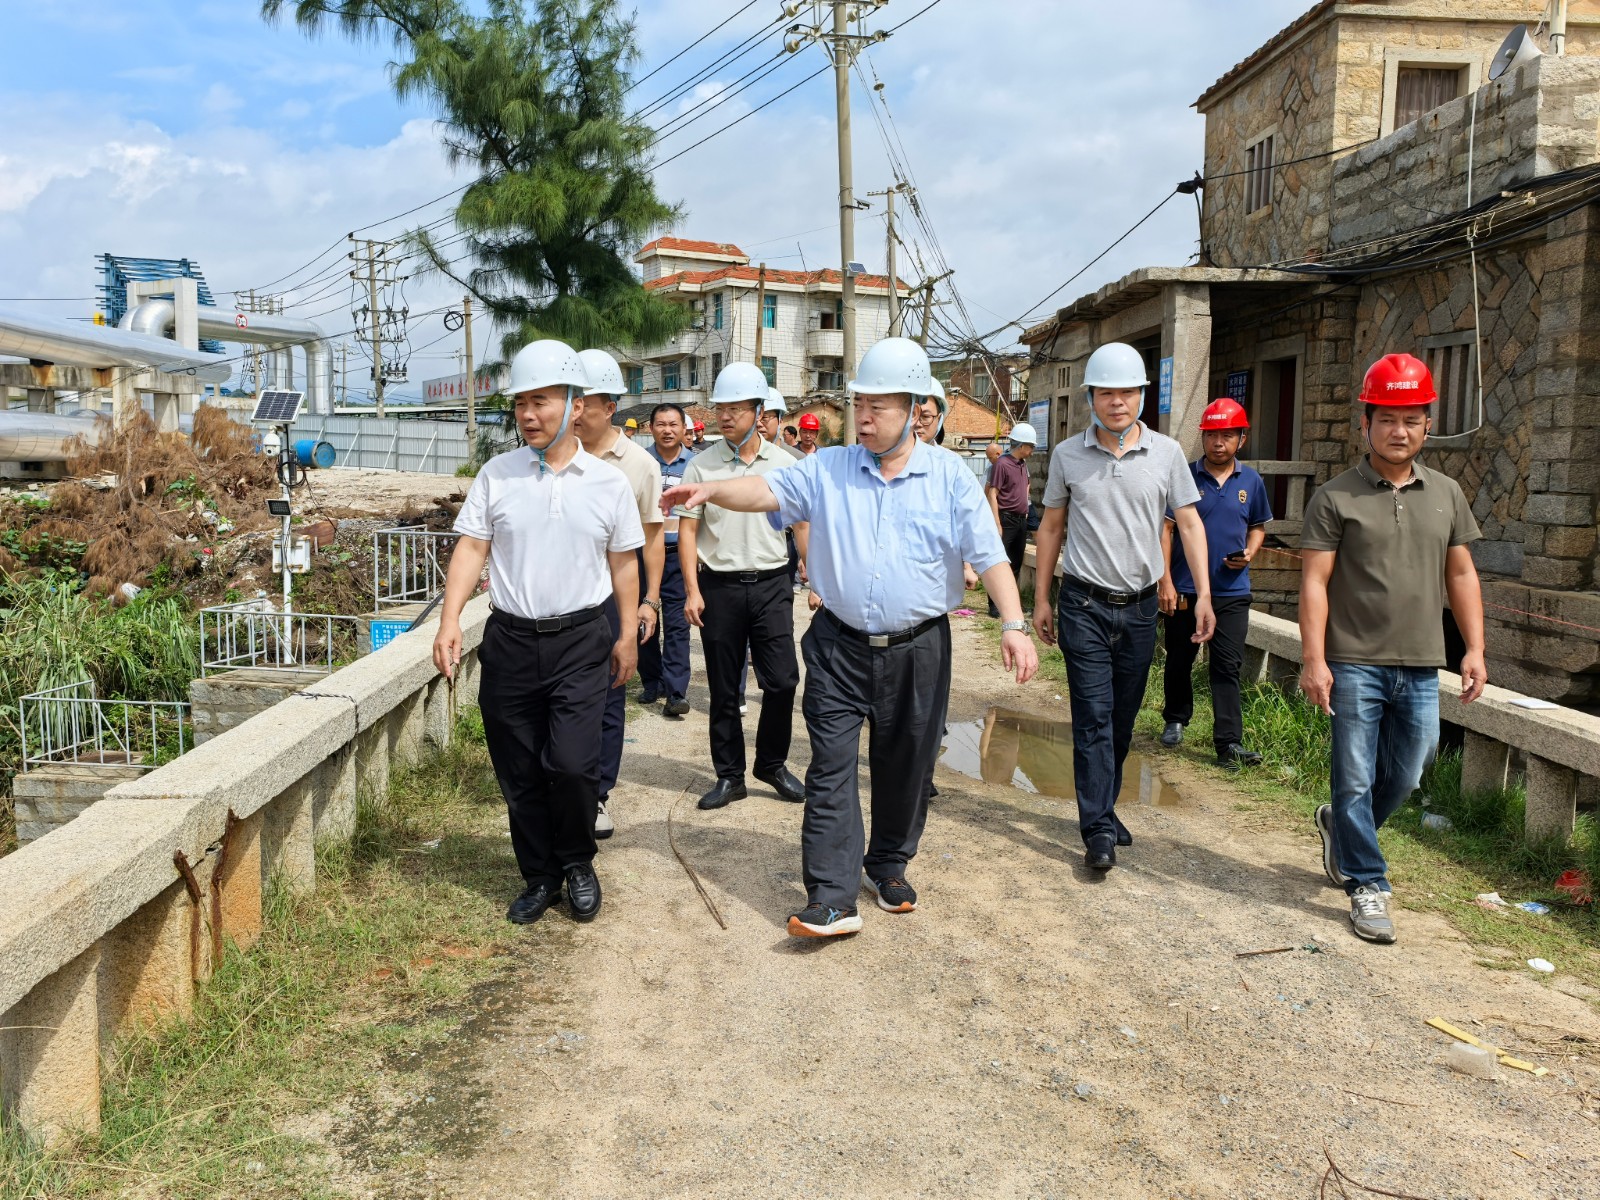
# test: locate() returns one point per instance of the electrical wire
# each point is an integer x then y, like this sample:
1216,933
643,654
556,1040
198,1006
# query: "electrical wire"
728,58
714,29
740,120
710,103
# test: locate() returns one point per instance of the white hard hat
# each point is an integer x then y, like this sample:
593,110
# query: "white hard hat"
775,402
546,363
937,396
605,377
740,381
893,365
1115,365
1022,434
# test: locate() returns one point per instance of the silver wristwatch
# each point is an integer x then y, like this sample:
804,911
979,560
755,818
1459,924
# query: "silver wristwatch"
1013,627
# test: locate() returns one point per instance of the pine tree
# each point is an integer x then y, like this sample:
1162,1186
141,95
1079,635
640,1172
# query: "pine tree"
532,97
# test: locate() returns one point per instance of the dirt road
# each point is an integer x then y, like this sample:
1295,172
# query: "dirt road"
1032,1031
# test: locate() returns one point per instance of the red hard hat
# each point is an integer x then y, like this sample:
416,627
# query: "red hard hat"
1398,380
699,426
1223,414
810,421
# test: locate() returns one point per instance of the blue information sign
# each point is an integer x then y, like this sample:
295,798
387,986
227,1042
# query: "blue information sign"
1166,386
1238,388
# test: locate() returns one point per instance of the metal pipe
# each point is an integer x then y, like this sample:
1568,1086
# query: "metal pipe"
78,344
258,329
43,437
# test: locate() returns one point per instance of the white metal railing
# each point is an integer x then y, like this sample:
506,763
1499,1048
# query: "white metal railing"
409,565
70,724
253,634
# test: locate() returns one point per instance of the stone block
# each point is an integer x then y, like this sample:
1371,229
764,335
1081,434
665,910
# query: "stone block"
1498,557
1569,541
1484,763
50,1054
239,882
1552,798
1554,508
288,838
147,966
334,799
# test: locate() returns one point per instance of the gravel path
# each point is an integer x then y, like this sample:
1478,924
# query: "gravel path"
1032,1031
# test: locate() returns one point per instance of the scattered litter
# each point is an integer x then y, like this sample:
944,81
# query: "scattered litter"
1226,1100
1533,906
1476,1061
129,591
963,612
1575,885
1433,820
1506,1060
1543,965
1128,1033
1530,702
1490,900
433,845
1082,1091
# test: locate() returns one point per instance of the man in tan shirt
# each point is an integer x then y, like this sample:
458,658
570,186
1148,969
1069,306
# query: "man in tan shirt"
614,447
736,578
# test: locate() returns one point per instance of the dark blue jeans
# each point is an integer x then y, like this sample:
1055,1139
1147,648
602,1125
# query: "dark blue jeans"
664,659
1385,732
1108,649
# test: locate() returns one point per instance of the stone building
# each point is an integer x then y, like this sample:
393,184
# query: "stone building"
1368,189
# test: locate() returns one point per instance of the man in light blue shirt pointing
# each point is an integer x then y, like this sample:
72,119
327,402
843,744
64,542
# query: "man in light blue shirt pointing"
892,520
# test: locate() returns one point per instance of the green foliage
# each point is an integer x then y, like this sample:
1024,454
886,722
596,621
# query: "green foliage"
532,96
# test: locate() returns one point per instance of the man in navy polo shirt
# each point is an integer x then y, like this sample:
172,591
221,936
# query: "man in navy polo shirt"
1235,510
664,658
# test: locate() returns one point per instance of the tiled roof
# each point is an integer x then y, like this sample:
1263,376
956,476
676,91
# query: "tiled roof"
1271,44
685,246
750,274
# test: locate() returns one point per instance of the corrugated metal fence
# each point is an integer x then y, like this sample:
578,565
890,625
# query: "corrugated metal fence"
374,443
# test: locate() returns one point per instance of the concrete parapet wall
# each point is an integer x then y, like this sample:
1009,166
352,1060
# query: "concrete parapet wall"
95,919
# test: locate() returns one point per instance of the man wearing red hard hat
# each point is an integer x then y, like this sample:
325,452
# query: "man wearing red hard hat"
810,426
1384,545
1235,510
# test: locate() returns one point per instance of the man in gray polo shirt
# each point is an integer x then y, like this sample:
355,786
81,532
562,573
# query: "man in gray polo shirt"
1120,478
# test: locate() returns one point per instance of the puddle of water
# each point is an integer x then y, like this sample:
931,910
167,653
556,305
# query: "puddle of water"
1034,755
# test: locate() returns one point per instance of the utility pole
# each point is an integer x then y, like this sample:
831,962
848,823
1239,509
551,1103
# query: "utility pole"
927,305
344,374
377,332
472,376
842,46
761,308
380,274
894,280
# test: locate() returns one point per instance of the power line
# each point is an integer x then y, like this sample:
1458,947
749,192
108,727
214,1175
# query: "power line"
728,58
740,120
690,46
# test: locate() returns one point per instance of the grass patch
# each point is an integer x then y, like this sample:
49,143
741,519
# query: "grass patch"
1434,870
377,965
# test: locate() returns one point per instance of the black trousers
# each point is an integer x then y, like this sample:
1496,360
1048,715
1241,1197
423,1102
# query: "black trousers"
542,696
902,694
664,659
1014,537
1227,654
757,618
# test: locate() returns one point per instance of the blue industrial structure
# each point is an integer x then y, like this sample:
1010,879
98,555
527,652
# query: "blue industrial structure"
118,271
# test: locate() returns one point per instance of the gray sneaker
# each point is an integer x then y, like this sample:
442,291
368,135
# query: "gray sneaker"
1369,914
1330,860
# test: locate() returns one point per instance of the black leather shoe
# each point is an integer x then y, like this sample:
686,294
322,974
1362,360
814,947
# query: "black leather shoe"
676,706
1233,756
1172,734
531,905
724,793
785,784
649,696
1124,838
583,892
1101,854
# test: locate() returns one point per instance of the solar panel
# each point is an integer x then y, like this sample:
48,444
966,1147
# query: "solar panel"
277,408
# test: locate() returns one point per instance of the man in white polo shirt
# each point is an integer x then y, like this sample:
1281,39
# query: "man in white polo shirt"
612,446
563,528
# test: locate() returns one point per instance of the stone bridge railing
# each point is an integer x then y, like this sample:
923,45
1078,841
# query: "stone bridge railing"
112,921
1562,745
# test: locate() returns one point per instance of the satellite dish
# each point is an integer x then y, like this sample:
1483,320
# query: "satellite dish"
1516,51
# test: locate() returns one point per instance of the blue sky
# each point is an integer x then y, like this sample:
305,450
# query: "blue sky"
1037,130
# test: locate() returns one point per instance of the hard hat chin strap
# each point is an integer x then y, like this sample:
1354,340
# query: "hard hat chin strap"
1122,438
566,419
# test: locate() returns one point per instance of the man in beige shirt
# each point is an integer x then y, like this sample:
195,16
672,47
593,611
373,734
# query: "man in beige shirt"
614,447
736,580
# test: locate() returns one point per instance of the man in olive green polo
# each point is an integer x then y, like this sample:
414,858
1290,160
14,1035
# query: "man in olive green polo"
1384,544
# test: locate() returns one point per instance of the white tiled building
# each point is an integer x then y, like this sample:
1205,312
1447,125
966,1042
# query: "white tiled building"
802,342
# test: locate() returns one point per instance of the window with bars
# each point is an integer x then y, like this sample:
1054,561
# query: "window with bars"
716,311
1453,361
769,368
716,367
671,377
1258,173
1420,90
769,312
635,380
694,371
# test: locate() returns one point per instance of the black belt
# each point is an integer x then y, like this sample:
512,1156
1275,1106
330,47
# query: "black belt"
569,620
745,576
880,640
1108,596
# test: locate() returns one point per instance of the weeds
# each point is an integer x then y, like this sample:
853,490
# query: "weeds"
309,1018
